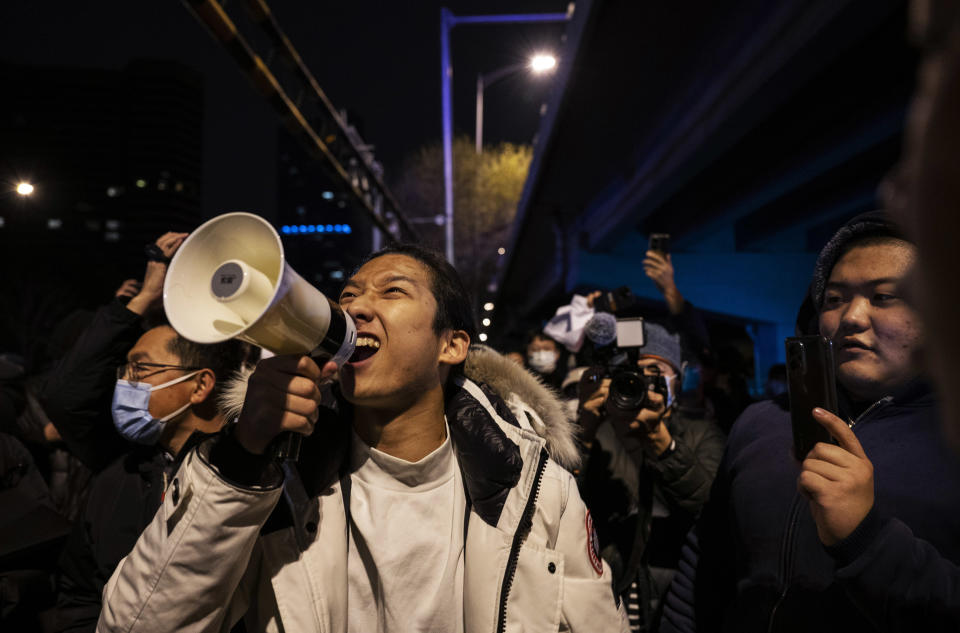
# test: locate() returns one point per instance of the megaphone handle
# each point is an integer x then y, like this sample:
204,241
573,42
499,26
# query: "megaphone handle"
286,446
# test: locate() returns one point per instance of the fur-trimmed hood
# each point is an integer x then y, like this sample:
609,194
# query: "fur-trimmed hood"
527,397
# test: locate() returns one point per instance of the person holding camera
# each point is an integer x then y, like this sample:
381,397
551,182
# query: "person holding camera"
863,533
648,469
76,396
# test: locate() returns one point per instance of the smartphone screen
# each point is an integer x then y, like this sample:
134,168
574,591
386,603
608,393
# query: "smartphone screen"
811,382
660,242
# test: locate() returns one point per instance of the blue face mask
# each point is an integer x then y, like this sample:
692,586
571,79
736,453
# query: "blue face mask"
131,410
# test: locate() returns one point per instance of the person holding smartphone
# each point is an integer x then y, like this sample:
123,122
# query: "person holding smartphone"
819,545
421,500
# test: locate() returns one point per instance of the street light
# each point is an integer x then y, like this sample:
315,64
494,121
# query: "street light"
539,64
447,21
542,62
25,189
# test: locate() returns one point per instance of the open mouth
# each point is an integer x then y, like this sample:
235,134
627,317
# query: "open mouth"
367,346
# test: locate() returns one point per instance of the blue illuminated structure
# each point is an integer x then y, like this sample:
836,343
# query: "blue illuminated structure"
736,159
306,229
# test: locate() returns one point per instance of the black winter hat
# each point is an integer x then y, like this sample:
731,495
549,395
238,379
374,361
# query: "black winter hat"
870,224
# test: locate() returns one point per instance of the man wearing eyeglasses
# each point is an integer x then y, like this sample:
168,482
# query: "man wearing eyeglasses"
164,403
77,394
128,425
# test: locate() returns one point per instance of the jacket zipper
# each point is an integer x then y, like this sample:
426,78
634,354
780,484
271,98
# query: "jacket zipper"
786,559
526,523
787,549
873,407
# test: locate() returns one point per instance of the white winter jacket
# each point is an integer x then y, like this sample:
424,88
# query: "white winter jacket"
217,552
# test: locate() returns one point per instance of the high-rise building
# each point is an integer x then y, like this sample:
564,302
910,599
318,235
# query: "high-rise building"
114,158
324,235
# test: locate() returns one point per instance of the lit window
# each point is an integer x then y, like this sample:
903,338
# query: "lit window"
54,223
141,183
113,192
327,195
112,225
111,236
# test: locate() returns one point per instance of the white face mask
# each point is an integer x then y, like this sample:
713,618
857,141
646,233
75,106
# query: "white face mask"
543,361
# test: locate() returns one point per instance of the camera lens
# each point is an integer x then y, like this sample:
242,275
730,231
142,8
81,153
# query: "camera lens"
628,391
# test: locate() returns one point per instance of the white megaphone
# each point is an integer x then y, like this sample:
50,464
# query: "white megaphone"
229,279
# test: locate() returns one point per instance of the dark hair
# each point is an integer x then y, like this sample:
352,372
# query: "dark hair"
535,334
454,309
223,359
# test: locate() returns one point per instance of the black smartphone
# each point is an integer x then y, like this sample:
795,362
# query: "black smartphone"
660,242
811,382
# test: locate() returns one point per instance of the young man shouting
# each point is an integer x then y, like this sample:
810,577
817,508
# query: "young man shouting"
424,502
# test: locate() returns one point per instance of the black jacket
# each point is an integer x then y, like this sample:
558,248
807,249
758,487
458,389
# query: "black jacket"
620,484
762,567
122,502
78,394
31,534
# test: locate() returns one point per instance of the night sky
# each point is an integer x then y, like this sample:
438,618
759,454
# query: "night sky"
380,60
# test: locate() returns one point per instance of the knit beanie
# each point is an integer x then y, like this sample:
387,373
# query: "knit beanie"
662,344
870,224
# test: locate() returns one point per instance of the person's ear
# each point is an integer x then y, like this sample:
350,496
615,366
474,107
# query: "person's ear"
205,381
453,347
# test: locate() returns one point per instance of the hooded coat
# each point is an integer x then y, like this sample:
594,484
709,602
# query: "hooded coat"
220,549
755,562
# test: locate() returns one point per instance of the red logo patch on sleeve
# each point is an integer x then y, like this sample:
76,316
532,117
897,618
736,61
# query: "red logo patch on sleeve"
593,546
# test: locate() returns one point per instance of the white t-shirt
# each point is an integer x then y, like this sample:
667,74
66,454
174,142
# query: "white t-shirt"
405,561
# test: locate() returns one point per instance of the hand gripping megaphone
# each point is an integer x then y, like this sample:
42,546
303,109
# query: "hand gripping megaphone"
229,279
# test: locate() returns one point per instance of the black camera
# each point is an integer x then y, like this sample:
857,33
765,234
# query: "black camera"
630,390
615,301
630,387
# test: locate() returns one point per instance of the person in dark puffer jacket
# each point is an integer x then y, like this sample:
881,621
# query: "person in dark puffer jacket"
861,536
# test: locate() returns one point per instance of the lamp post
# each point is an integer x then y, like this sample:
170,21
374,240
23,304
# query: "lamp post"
539,64
447,21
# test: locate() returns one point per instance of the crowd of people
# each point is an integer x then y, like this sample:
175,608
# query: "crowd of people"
581,482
